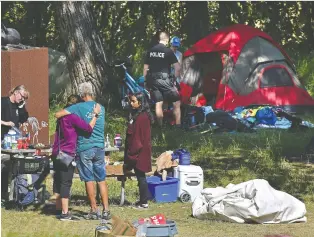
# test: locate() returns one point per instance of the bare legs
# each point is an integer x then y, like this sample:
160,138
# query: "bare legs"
90,190
159,113
62,203
103,188
177,111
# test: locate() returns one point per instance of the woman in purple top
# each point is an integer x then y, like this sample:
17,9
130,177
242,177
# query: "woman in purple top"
70,126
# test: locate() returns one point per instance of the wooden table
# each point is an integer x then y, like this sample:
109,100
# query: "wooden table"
31,152
119,175
117,171
23,151
11,153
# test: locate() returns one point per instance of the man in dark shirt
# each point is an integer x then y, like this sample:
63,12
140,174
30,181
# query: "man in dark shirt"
157,66
13,112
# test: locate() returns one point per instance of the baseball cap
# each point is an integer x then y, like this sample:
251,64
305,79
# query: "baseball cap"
175,41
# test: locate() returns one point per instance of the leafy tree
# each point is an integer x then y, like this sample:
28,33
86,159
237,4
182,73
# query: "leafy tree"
117,29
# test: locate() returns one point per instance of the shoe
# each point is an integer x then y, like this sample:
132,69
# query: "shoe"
65,217
93,216
106,215
58,213
141,206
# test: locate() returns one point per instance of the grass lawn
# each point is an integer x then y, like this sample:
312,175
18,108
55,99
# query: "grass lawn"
41,222
225,158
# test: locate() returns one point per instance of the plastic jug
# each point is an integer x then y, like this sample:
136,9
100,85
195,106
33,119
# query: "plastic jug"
117,141
184,157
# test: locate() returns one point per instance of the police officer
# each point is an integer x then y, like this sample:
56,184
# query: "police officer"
157,66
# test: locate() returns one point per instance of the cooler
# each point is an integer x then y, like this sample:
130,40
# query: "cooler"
191,181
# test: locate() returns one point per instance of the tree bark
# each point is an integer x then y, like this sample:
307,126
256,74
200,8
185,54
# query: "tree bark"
196,21
86,59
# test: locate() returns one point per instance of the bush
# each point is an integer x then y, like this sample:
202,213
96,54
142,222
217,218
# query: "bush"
305,70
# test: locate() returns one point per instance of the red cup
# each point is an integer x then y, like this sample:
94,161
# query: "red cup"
20,143
37,152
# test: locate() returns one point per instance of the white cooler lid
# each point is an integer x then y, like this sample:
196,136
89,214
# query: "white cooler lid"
190,168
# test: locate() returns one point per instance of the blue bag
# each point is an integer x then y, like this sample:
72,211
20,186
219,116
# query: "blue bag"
266,116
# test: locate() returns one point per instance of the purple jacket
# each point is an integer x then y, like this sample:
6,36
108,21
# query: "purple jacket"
70,125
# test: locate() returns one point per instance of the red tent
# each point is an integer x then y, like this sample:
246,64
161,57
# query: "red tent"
239,66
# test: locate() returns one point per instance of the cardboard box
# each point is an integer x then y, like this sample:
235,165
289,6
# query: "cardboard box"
107,233
114,170
120,228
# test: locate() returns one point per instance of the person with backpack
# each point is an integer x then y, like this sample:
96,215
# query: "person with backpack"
68,128
138,147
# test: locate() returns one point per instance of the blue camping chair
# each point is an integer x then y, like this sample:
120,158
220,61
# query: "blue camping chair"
130,85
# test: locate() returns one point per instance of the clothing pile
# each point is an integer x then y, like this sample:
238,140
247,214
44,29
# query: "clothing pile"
269,117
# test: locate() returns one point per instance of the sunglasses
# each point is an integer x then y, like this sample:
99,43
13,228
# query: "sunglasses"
23,97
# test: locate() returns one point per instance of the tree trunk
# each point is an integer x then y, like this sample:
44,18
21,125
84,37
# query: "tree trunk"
86,58
308,11
196,21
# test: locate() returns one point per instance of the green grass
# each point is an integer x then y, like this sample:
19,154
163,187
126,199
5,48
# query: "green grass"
225,158
36,224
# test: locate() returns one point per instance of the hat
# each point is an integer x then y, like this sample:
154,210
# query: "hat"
175,41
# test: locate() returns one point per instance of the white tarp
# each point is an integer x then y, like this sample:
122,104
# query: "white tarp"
252,201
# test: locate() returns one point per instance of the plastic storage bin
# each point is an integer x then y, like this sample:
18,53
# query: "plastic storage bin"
166,230
163,191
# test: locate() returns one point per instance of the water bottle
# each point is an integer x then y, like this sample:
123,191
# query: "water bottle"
107,143
13,135
13,139
6,143
117,141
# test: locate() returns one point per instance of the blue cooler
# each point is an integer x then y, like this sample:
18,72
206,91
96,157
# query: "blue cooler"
163,191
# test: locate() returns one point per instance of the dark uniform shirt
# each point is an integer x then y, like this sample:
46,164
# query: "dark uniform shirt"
160,58
11,112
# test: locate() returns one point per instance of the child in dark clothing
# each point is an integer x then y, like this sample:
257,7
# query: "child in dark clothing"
137,154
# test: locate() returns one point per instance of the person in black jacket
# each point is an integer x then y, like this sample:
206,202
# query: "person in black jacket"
13,112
